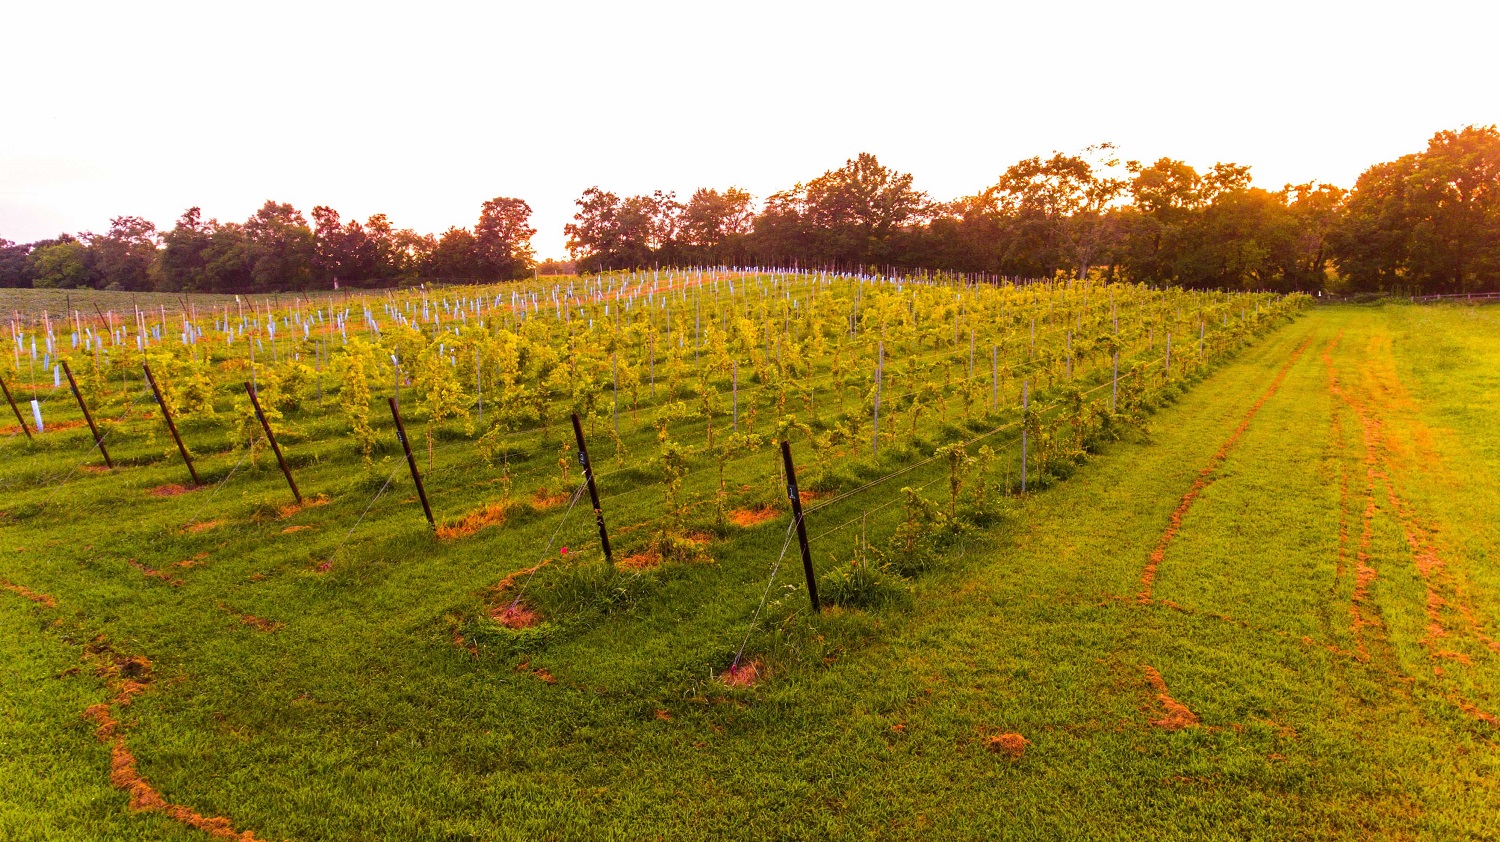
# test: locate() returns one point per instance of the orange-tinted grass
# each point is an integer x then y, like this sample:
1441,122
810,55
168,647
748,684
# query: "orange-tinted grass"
1012,746
747,674
1178,716
38,598
491,515
746,518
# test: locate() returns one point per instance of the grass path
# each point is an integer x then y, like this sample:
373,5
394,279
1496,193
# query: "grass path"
1316,657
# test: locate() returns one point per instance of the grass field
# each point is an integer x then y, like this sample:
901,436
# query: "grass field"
1270,614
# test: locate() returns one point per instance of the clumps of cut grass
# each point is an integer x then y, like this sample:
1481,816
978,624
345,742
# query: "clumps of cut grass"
544,499
1178,716
39,598
746,518
493,514
1010,746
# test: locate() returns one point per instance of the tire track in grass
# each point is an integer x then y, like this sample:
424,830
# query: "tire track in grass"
1341,449
125,677
28,593
1206,476
1441,589
1364,574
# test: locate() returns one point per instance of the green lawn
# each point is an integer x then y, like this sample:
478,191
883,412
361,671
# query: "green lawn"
354,714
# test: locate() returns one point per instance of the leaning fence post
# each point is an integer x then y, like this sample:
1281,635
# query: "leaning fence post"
98,439
12,401
271,437
796,498
171,425
411,463
588,475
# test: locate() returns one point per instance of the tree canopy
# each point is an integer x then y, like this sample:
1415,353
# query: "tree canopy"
1427,222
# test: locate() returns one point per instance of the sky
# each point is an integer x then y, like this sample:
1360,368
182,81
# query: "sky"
422,111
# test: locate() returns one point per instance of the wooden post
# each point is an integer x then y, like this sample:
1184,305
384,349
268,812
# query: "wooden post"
171,425
411,463
879,376
994,378
12,402
1025,410
98,439
588,475
271,437
1114,396
796,498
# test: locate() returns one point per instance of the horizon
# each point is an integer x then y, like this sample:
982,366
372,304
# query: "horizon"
377,115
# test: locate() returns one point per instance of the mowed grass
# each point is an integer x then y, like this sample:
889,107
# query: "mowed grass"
359,718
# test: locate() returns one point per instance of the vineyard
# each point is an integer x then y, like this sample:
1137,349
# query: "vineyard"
215,504
870,381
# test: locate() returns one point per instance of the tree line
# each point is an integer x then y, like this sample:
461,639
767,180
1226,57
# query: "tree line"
275,249
1428,222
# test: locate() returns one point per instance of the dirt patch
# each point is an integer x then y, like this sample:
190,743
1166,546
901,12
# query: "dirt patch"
1473,710
38,598
294,529
745,518
648,560
1206,475
307,503
202,526
467,645
491,515
516,615
258,623
195,561
52,427
170,490
1012,746
543,499
747,674
153,573
509,582
94,469
541,674
1177,715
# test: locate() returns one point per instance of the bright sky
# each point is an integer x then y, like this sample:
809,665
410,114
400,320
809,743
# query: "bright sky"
424,110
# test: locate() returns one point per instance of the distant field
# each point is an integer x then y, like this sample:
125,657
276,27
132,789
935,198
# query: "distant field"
1255,600
31,303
